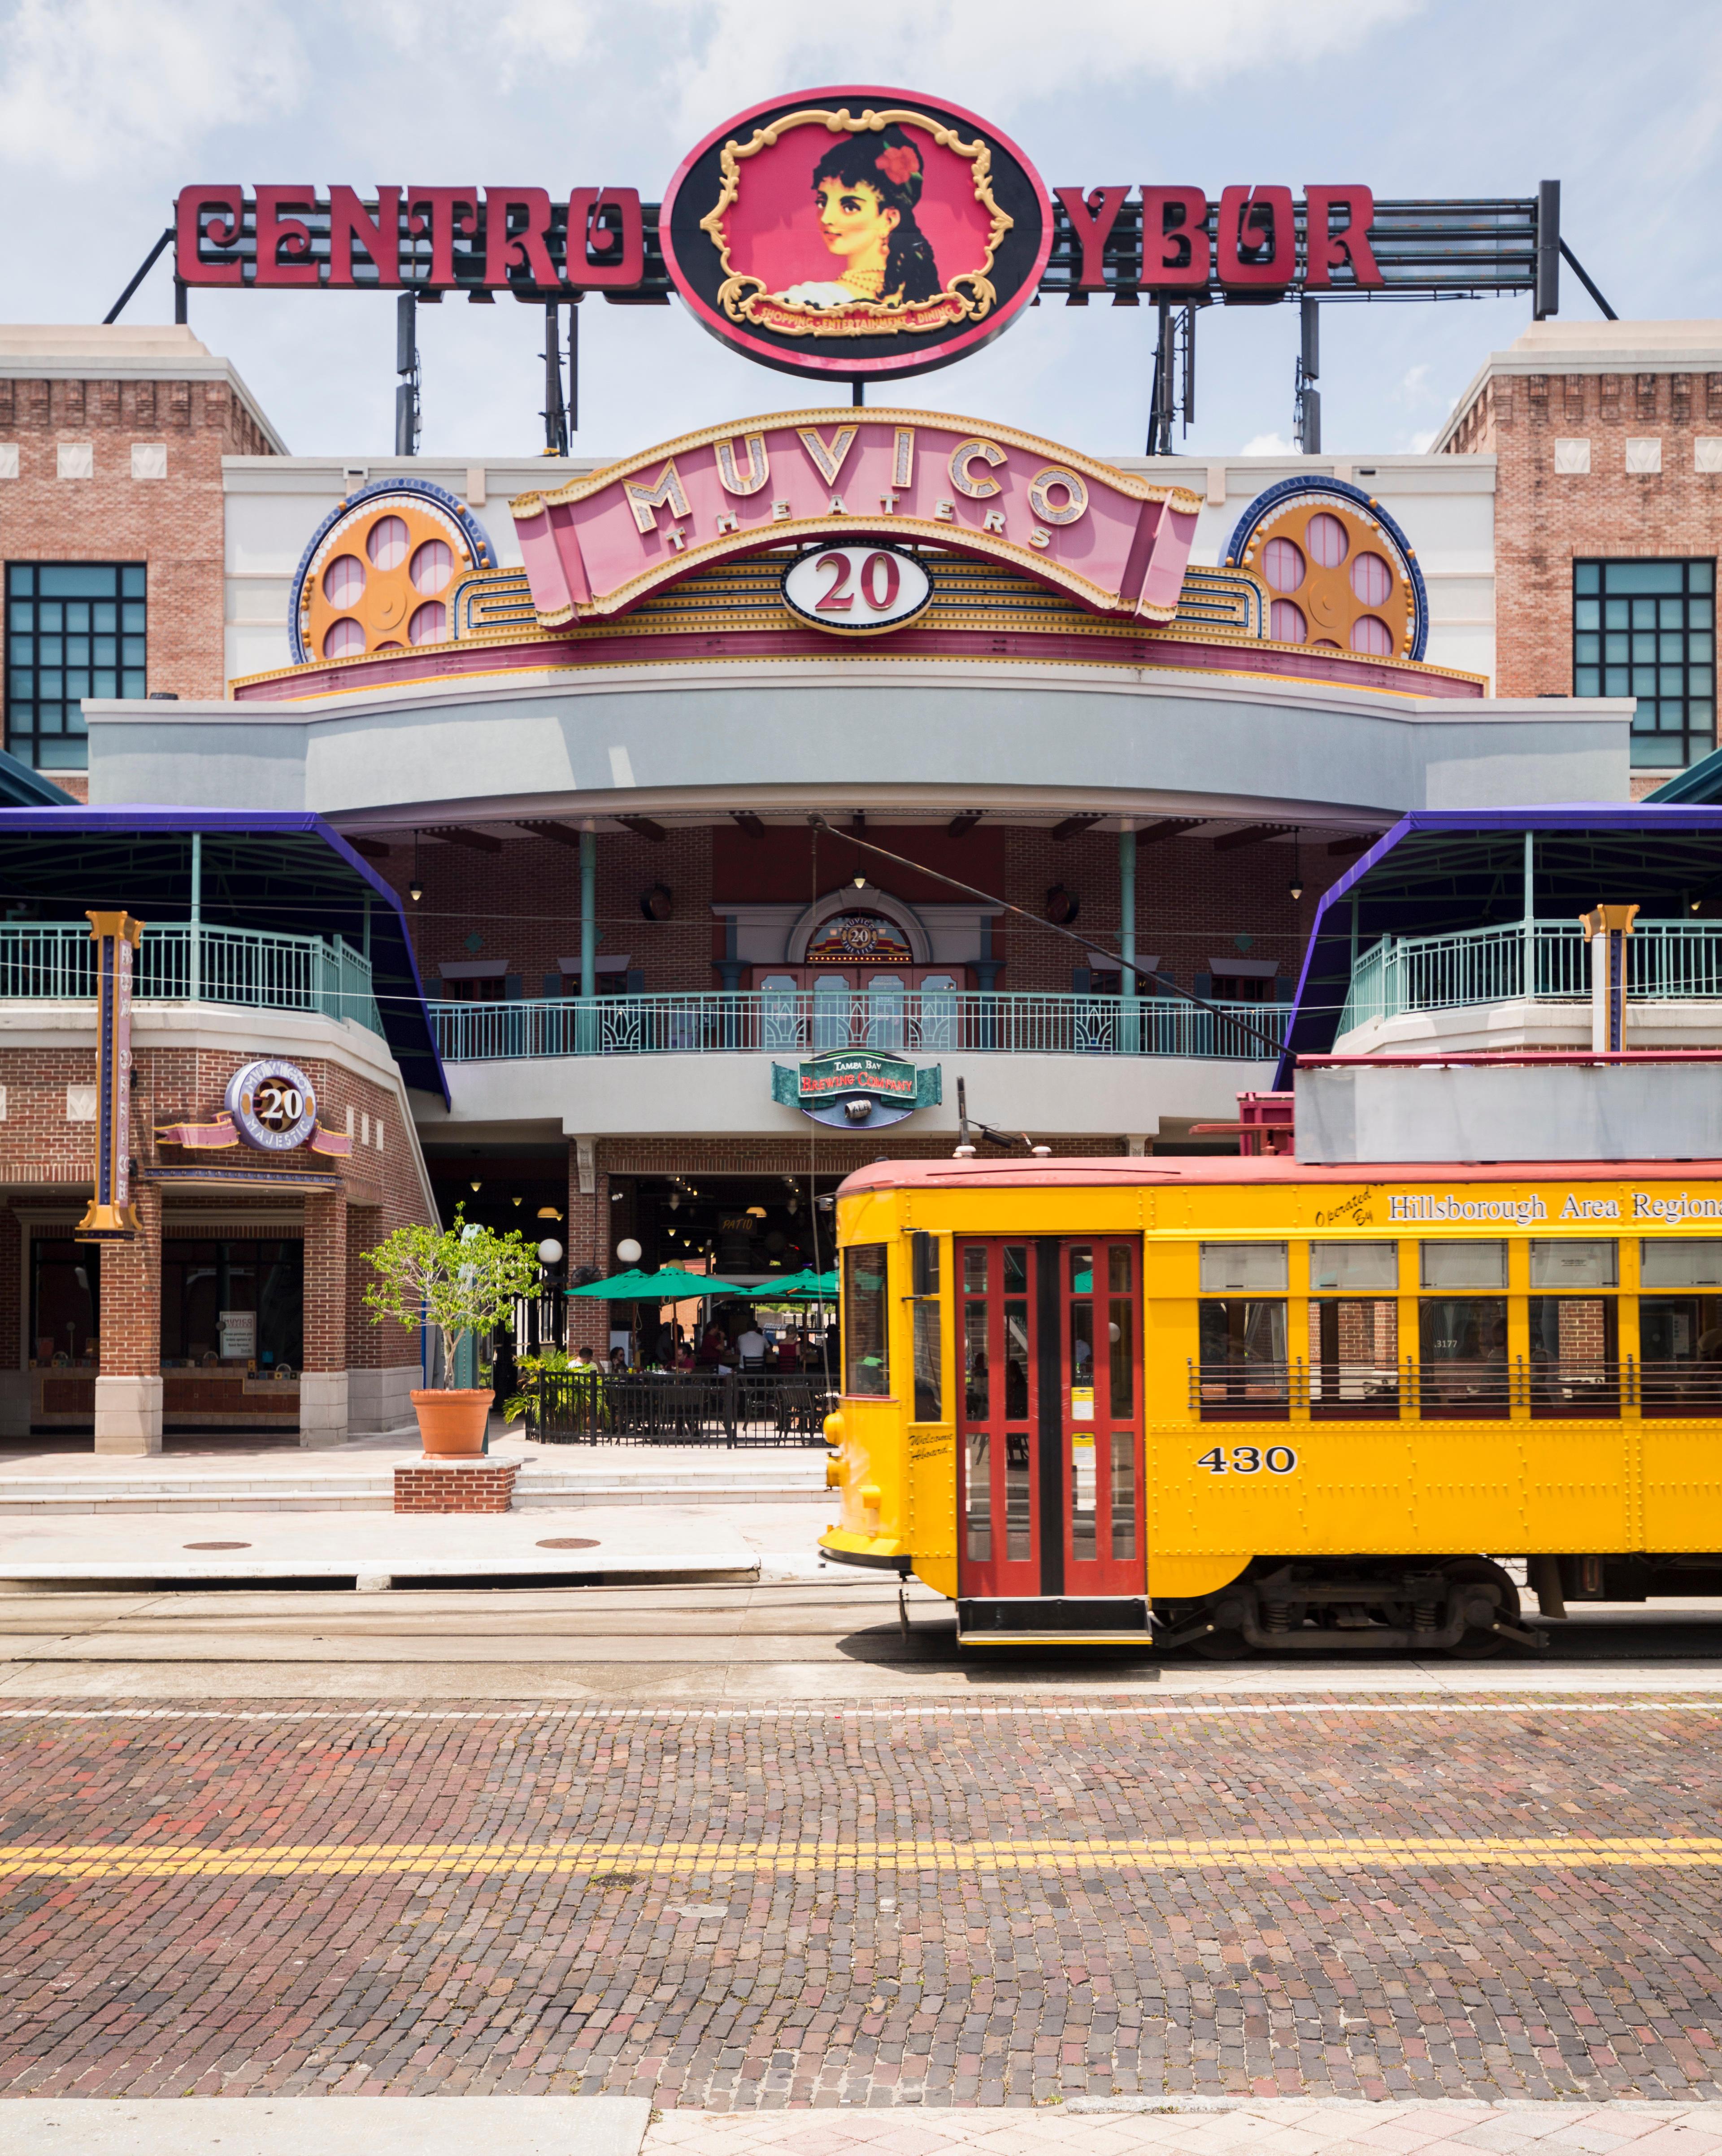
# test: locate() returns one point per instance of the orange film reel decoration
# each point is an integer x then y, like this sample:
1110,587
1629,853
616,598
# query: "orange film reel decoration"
381,571
1340,573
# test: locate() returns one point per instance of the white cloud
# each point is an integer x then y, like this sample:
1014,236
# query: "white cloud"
95,86
1415,383
1423,439
1269,445
977,51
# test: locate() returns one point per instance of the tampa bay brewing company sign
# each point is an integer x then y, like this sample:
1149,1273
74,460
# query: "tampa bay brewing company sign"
855,1089
862,232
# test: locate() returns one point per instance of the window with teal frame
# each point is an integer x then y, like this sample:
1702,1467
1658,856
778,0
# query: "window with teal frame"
73,629
1647,630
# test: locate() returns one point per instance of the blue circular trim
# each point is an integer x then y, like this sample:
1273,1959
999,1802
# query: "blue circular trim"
1288,488
483,553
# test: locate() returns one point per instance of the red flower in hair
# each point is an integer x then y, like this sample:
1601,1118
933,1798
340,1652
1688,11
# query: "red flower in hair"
898,162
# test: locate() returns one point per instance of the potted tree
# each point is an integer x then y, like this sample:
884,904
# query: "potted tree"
462,1279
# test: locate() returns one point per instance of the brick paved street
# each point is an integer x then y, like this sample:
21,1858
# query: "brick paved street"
1413,1901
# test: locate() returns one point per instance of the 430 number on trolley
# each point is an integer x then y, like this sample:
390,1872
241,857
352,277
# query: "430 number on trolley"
1250,1459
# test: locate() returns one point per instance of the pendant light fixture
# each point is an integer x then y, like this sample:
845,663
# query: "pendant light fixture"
415,889
1297,881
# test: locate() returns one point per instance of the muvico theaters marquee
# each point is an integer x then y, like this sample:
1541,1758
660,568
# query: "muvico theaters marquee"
845,777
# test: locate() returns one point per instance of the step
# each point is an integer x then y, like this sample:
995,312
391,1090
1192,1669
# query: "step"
537,1488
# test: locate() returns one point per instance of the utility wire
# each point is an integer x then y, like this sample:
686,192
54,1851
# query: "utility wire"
1083,943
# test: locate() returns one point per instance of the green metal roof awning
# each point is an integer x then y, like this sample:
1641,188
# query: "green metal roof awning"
1439,871
267,869
672,1285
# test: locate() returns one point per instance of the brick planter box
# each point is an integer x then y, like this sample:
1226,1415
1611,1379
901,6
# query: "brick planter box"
455,1486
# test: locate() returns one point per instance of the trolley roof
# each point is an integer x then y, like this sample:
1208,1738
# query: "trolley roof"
1108,1171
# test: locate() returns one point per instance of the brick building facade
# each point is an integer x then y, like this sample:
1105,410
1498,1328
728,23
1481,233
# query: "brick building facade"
111,443
1242,781
1607,438
351,1374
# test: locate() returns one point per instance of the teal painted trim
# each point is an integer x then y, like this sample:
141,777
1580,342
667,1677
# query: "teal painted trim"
1699,781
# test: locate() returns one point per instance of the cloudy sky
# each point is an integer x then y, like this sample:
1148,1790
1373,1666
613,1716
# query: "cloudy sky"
107,107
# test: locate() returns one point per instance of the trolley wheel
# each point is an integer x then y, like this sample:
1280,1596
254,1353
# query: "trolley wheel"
1478,1643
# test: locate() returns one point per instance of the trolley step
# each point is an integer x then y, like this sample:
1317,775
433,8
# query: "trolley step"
1046,1620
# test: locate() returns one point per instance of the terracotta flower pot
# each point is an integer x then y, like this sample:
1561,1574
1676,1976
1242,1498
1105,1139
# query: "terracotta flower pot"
452,1420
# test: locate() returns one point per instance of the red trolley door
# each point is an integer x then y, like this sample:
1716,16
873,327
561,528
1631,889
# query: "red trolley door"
1050,1515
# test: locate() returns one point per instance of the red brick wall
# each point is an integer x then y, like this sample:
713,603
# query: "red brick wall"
175,524
1192,903
489,1488
41,1152
326,1284
590,1240
131,1296
523,904
1544,519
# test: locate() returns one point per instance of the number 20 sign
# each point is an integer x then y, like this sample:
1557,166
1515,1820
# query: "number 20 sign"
857,591
272,1104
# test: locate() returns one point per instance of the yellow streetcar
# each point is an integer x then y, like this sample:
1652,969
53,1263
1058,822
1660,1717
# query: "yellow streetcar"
1300,1406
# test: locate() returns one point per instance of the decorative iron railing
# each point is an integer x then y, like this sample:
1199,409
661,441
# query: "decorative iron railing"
55,962
1548,961
728,1407
802,1022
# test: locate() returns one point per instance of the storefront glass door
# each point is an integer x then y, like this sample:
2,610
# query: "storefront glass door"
1050,1429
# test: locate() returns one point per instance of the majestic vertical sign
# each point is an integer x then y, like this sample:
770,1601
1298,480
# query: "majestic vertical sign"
856,232
110,1216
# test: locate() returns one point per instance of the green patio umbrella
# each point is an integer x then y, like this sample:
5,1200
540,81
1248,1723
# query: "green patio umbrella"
804,1286
671,1285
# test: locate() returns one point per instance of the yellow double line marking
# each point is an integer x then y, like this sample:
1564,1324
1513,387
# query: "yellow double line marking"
369,1860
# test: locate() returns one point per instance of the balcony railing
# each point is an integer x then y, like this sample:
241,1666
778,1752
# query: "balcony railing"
55,962
797,1022
1666,960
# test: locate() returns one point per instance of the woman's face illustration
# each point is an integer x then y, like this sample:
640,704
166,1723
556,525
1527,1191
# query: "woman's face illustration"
854,222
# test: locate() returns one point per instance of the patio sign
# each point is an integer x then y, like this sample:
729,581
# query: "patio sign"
110,1216
856,1090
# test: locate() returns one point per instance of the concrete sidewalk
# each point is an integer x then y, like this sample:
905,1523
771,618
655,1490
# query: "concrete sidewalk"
625,2126
1273,2126
184,1546
237,1475
332,2125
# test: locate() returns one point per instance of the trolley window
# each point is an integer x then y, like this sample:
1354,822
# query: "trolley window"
1353,1356
1666,1262
1574,1350
1574,1265
1464,1264
1225,1266
1680,1341
1463,1343
866,1361
1243,1372
1337,1267
928,1329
